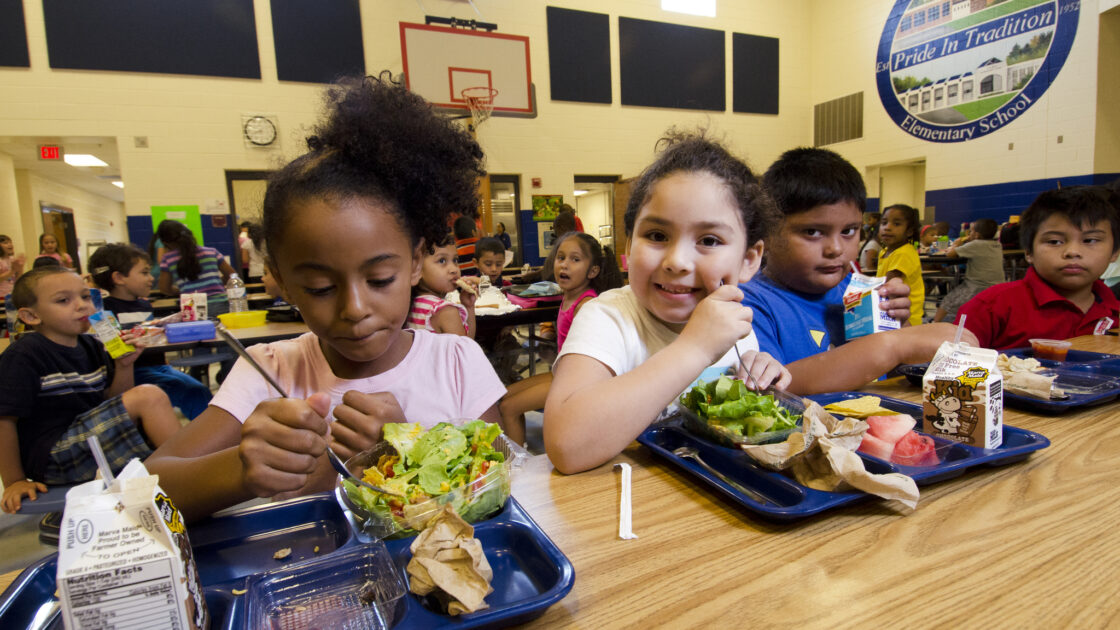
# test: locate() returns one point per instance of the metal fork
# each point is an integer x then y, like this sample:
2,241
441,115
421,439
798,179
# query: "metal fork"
776,393
691,453
336,461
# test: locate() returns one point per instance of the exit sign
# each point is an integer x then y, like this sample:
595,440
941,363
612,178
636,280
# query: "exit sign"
50,152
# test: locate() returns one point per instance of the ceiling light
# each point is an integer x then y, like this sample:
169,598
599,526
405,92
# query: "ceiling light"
83,159
705,8
118,183
579,193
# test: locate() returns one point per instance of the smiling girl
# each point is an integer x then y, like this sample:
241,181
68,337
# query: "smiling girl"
695,223
345,226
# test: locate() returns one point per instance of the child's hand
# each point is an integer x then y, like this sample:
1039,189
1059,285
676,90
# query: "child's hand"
281,442
765,369
718,321
358,421
895,299
13,494
467,298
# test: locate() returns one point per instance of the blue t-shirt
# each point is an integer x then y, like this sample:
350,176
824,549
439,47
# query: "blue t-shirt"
791,325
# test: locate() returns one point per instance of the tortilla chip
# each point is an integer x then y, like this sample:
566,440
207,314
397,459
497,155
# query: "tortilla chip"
863,407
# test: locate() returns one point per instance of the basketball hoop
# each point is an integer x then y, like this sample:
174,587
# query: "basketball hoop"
480,100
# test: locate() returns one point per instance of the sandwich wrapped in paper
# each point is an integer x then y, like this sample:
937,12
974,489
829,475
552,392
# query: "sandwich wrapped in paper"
448,565
822,456
1021,376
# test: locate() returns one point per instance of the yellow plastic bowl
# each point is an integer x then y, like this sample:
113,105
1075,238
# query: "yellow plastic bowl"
243,319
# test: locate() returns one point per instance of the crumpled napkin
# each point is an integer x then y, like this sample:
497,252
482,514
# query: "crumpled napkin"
822,456
449,564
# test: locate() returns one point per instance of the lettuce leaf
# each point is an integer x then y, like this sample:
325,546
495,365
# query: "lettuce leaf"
728,403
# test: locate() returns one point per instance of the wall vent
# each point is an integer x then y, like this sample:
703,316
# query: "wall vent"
838,120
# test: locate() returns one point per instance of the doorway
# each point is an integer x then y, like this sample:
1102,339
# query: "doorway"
505,203
903,182
58,221
595,206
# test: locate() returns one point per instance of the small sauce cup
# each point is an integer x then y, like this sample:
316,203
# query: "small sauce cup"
1052,349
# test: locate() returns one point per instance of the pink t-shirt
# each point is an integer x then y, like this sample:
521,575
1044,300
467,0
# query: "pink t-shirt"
442,378
424,306
564,317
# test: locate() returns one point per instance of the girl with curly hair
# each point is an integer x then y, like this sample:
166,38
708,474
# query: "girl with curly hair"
346,227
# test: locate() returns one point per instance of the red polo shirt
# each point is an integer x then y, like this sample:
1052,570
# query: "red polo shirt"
1009,315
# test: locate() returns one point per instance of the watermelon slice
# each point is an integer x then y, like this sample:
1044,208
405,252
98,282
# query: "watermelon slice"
890,429
915,449
875,447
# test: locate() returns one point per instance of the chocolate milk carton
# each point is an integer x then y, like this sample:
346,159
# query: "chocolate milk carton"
862,315
124,559
962,396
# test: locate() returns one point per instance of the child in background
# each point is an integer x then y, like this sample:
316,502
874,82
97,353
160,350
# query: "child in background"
344,227
899,259
430,311
490,257
189,268
61,387
503,236
868,258
11,266
798,299
48,246
695,223
1070,236
584,269
985,266
465,240
125,271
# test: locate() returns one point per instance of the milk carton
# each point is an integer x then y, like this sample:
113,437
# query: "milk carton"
124,559
962,396
862,314
193,306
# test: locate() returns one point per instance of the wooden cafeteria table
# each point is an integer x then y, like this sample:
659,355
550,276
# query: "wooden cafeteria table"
1031,544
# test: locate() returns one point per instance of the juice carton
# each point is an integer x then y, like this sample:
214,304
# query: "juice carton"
193,306
962,396
124,557
862,314
108,330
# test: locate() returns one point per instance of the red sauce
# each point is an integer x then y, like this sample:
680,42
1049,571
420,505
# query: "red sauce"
1051,352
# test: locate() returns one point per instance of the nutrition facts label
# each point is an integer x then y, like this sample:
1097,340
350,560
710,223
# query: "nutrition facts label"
133,596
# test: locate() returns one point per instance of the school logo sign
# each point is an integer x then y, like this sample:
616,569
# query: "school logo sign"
955,70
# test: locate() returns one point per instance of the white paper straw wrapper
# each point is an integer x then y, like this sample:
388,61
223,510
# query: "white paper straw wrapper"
624,526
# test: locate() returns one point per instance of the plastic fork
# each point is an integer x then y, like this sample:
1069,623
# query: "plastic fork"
689,452
336,461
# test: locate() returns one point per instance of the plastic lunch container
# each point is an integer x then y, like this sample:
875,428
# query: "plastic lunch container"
243,319
376,526
360,588
697,426
1052,349
189,331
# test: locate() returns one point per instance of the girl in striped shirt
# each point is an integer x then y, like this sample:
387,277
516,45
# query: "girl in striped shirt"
430,311
189,268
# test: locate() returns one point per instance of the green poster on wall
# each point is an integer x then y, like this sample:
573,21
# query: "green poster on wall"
187,215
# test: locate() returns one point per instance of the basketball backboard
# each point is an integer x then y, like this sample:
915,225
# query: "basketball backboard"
440,62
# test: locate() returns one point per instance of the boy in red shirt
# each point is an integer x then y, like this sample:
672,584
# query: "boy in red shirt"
1070,236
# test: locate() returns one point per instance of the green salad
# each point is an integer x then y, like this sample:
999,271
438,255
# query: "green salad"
727,404
447,463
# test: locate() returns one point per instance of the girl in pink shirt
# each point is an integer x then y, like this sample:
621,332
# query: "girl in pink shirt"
344,225
583,269
438,274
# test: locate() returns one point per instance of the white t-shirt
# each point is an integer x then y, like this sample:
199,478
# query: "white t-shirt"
621,334
442,378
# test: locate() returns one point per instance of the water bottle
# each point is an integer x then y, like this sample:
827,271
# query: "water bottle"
235,291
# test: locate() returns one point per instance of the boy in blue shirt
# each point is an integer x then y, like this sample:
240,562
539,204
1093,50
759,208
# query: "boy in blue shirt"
798,297
125,271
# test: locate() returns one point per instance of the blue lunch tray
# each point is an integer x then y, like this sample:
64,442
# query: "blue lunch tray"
789,500
530,571
1089,378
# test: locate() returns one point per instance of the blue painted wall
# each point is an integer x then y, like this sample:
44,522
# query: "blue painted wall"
140,232
527,232
999,201
872,204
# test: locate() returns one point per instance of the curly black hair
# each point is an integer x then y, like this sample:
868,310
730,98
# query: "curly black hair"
693,152
383,142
